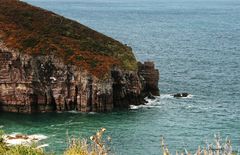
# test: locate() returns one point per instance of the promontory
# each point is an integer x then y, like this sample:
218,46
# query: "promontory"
51,63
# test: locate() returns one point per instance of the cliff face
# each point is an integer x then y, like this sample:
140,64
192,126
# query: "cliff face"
43,69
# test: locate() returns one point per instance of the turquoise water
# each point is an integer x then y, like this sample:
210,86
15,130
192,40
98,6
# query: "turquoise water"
196,46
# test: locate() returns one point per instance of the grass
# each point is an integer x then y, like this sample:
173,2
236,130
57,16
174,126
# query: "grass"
96,145
218,148
20,150
35,31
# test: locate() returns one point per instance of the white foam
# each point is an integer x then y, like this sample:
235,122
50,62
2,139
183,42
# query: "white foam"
92,113
73,111
16,141
166,96
190,96
13,139
1,126
153,102
150,104
189,107
38,137
158,101
133,107
42,146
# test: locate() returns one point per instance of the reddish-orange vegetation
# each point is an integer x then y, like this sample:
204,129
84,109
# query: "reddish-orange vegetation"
36,31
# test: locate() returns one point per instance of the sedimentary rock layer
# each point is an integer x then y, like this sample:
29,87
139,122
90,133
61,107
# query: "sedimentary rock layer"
44,83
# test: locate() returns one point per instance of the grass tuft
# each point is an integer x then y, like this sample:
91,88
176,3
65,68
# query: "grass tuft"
218,148
96,146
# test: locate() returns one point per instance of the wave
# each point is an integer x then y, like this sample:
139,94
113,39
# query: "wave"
1,126
157,102
166,96
92,113
150,104
135,107
73,112
79,112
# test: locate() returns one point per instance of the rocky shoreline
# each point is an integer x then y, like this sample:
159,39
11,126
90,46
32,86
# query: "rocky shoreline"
44,84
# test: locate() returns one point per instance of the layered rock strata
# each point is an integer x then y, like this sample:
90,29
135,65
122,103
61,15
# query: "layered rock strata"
150,77
44,83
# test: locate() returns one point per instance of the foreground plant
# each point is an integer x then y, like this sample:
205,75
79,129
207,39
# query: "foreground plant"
97,145
209,149
20,150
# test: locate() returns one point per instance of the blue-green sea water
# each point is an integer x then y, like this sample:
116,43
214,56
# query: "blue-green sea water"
196,46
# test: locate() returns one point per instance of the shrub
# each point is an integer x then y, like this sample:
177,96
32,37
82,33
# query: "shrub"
30,42
210,149
69,52
94,63
80,58
97,145
1,136
20,150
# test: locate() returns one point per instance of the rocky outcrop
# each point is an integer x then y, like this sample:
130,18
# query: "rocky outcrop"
44,83
51,63
180,95
150,76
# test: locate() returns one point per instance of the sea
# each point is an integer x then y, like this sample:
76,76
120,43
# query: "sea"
195,44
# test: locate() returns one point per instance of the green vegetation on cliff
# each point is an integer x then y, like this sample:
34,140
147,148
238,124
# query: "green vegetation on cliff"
36,31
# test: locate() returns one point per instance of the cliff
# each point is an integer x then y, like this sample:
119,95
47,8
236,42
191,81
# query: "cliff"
50,63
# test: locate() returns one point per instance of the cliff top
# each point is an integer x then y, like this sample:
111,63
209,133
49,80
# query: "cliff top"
37,31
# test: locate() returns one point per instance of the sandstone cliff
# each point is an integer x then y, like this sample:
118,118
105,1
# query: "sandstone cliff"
50,63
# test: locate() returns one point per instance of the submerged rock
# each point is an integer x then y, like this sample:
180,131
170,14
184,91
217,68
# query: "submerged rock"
46,66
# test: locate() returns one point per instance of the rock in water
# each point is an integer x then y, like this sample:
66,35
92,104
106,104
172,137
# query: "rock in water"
150,77
178,95
51,63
